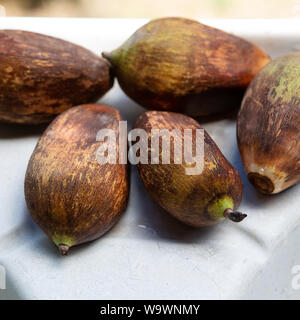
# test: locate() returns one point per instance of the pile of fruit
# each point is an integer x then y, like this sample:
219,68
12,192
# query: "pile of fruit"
183,71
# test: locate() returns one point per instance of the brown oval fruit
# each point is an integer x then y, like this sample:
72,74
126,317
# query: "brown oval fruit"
181,65
197,200
41,76
70,195
269,126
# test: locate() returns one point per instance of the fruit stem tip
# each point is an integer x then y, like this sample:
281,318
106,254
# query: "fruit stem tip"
234,216
106,55
63,249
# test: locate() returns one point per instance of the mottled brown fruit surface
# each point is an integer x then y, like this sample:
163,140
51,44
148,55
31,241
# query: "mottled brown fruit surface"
69,194
268,127
197,200
177,64
41,76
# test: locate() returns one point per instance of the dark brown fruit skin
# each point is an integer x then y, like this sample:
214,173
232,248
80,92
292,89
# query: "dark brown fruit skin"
177,64
268,126
41,76
188,197
72,197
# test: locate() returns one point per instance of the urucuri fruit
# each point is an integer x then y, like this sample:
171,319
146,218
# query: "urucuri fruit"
268,127
177,64
197,200
41,76
70,195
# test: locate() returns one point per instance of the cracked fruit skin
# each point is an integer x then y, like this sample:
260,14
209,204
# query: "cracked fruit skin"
177,64
268,127
70,195
41,76
196,200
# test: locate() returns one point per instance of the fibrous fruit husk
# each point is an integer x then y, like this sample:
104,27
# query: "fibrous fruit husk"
177,64
41,76
268,127
69,194
197,200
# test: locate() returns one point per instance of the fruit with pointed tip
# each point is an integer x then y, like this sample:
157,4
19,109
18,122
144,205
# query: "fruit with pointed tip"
70,195
177,64
197,200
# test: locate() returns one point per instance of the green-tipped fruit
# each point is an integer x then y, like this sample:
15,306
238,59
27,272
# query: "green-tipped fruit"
198,200
70,195
177,64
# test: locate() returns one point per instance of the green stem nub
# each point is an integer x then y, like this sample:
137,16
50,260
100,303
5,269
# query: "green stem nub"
234,216
63,249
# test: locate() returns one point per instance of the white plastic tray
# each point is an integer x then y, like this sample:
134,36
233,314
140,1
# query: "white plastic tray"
149,255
